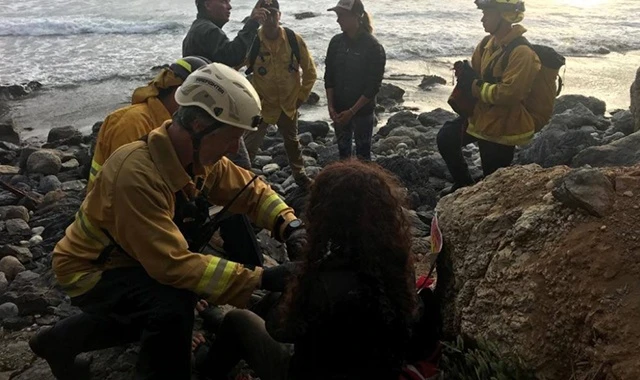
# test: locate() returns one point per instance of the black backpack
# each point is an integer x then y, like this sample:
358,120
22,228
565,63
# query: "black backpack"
254,51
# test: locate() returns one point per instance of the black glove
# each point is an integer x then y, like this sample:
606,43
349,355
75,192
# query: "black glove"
466,77
275,279
296,242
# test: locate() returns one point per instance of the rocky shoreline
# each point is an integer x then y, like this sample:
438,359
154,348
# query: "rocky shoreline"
43,186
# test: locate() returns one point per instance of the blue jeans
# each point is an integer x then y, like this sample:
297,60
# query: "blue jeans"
360,127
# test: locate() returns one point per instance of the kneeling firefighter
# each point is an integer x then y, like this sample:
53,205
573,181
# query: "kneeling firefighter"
496,116
125,263
152,105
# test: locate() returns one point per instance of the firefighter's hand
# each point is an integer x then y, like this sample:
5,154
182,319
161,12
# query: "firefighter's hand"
275,279
296,242
466,77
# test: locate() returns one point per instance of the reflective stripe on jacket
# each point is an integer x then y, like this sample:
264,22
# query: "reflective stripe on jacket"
500,115
123,126
133,199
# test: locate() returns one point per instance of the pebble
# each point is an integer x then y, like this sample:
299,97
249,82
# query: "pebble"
628,193
603,228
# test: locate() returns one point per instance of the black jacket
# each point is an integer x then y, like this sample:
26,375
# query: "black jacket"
207,39
354,68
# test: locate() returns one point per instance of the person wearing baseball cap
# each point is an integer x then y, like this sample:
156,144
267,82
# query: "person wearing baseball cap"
354,68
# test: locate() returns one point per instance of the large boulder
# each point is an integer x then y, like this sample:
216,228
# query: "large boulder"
400,119
635,100
44,162
622,122
548,282
8,133
414,176
32,293
430,81
11,267
67,133
316,128
390,95
577,117
623,152
436,117
567,102
555,145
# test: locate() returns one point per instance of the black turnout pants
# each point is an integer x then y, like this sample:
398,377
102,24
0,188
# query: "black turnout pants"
126,306
453,136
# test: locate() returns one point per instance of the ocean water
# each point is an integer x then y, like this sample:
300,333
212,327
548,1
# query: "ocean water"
109,47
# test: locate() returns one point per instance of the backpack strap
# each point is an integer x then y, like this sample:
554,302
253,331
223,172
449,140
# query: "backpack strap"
510,47
293,43
254,51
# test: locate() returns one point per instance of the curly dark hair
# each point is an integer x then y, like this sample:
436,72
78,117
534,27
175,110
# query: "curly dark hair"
355,213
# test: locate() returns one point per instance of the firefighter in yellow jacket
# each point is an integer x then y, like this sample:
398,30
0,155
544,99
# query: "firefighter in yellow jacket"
500,120
276,76
125,263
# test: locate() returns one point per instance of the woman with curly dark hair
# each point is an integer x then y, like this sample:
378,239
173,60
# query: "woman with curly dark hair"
348,310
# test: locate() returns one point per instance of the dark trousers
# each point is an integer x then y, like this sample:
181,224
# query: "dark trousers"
453,136
360,127
242,335
126,306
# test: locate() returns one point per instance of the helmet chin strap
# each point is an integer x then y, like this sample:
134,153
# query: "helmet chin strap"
196,141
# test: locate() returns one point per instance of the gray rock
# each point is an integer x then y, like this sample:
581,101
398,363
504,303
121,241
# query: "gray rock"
4,283
555,146
327,154
586,189
270,168
17,227
70,164
77,185
23,254
436,117
622,122
7,198
305,138
261,161
305,15
429,81
8,133
8,169
623,152
11,267
567,102
319,129
401,119
635,101
390,95
14,212
611,138
37,230
8,310
43,162
309,161
63,133
32,294
414,175
1,225
390,143
437,166
577,117
35,240
49,183
313,99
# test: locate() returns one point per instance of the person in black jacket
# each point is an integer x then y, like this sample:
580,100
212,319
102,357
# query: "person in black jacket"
354,68
206,38
348,308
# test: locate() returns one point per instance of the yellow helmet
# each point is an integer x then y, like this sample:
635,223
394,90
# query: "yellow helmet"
501,5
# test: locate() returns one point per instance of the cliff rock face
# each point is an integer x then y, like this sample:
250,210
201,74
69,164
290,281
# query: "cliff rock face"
635,100
545,262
